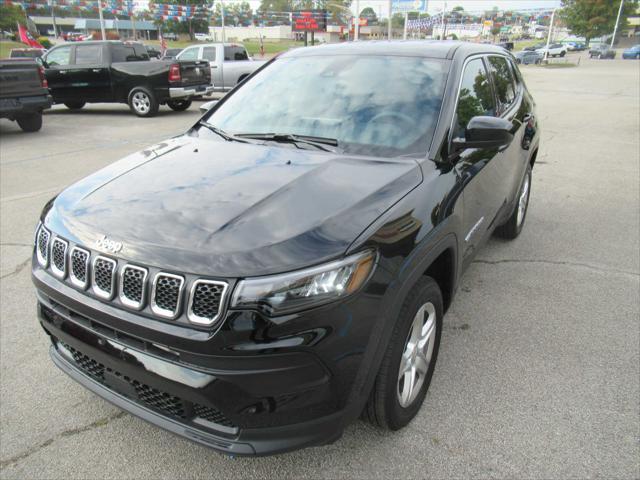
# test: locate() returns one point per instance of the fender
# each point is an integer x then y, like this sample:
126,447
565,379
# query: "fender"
435,243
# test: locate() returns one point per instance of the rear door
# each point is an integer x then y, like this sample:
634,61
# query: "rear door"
477,167
90,77
209,54
58,61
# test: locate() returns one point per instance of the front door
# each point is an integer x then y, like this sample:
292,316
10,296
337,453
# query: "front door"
480,173
58,65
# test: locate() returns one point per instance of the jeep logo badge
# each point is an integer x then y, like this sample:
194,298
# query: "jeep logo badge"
109,245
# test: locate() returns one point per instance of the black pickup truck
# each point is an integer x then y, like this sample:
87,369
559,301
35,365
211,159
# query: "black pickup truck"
23,93
112,71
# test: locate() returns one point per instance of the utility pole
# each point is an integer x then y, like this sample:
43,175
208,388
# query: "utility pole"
442,24
53,19
406,21
615,30
102,29
390,31
546,50
356,31
133,19
224,39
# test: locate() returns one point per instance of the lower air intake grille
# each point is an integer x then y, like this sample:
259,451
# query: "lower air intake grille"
147,395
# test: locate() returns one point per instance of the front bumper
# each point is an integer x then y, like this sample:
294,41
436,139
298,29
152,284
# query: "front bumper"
188,92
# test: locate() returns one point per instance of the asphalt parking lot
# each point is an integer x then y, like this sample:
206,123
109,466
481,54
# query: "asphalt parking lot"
539,368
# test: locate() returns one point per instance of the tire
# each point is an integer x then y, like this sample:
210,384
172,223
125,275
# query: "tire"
31,122
179,105
562,54
74,105
143,102
385,407
513,226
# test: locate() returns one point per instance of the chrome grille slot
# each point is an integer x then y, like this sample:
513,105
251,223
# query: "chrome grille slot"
133,282
79,267
42,250
103,277
205,301
59,257
166,296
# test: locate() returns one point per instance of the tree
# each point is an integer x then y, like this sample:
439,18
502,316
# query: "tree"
594,18
495,31
10,16
370,14
397,20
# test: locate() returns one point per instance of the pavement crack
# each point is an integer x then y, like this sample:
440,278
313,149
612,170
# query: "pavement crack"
17,270
15,244
66,433
558,262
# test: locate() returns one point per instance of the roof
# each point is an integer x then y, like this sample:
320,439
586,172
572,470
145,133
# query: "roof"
417,48
94,24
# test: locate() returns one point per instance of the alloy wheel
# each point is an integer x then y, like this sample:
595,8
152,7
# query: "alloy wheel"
523,200
416,356
141,102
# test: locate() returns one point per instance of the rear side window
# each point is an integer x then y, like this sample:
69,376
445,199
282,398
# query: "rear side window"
209,53
189,54
503,82
126,53
88,54
475,97
141,52
233,54
59,56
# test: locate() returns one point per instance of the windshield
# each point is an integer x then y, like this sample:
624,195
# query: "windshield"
372,105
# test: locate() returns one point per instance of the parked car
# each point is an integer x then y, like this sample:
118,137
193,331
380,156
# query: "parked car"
170,36
23,93
27,52
257,291
535,47
575,46
171,53
554,50
230,63
203,37
602,51
633,52
528,57
111,71
506,45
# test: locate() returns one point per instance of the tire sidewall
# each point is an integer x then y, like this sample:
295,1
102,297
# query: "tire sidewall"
398,416
153,107
519,228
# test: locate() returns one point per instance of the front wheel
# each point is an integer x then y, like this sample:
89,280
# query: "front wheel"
74,105
142,102
31,122
179,105
407,367
513,226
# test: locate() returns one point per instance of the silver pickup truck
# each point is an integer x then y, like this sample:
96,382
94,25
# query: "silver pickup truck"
230,63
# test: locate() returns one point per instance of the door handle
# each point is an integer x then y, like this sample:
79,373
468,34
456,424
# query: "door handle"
96,70
63,72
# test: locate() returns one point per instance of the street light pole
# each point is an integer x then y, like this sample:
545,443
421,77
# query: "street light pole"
222,9
53,19
546,50
356,28
615,30
389,28
102,29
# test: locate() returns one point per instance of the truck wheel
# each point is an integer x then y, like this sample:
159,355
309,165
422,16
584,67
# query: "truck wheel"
31,122
142,102
179,105
74,105
408,364
562,54
513,226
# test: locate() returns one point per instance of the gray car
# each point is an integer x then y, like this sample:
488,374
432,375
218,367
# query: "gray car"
527,57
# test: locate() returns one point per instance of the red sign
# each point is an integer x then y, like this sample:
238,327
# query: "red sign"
309,20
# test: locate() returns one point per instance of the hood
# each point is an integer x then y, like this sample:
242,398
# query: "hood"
204,206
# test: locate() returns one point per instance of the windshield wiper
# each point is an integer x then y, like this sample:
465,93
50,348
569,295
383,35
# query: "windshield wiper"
318,142
227,136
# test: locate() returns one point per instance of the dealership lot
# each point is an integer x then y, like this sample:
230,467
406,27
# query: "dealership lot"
539,369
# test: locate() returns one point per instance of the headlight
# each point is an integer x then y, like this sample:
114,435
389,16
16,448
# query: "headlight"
291,292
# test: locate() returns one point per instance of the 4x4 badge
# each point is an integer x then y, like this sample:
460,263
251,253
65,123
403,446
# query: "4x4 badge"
109,245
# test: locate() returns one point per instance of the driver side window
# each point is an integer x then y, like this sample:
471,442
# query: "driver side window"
475,97
59,57
189,54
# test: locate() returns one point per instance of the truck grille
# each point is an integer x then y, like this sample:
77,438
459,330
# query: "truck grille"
205,301
147,395
167,289
108,277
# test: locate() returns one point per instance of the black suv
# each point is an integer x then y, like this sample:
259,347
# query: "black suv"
284,266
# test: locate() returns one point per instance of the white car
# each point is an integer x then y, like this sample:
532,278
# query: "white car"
203,37
555,50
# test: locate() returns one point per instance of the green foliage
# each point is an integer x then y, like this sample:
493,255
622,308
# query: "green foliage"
594,18
45,42
370,14
495,31
238,13
397,20
10,16
337,9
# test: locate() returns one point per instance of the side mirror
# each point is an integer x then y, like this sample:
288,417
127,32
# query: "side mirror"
205,107
484,132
